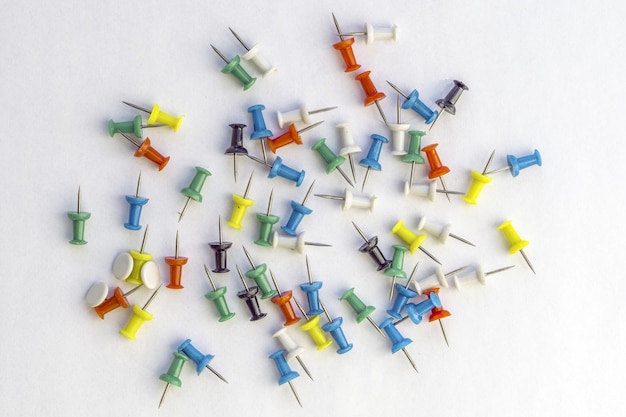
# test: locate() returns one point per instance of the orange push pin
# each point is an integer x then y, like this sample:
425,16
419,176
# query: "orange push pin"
176,267
118,299
145,149
437,169
345,48
438,313
290,136
283,300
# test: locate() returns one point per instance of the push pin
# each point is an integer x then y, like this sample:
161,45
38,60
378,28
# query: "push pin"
220,249
281,170
417,311
241,205
448,103
201,360
104,305
254,55
286,374
438,313
290,136
145,149
176,267
333,161
348,147
515,241
398,342
396,270
296,243
312,327
292,349
345,48
436,280
371,248
404,294
158,117
437,170
137,267
413,155
298,211
78,219
350,200
267,221
516,164
362,311
334,328
476,275
373,34
249,296
426,190
312,289
478,182
412,239
234,68
136,204
236,145
134,126
172,376
283,301
372,95
259,276
261,132
217,296
373,154
140,315
440,231
192,192
299,115
398,132
414,103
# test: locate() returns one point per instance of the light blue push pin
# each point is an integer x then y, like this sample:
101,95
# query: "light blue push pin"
414,103
334,328
260,130
373,154
201,360
517,164
297,214
402,297
278,169
136,204
398,342
286,374
311,290
417,311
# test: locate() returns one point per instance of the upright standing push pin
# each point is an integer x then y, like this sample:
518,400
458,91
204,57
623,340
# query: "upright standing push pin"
236,145
217,296
412,239
283,301
345,48
372,95
517,164
259,276
290,136
248,295
158,117
398,342
398,132
200,359
373,34
133,126
312,327
334,328
312,290
220,248
298,211
176,267
371,248
299,115
267,221
286,374
413,155
278,168
261,132
350,200
348,147
371,160
136,204
145,149
448,103
516,244
414,103
254,54
172,376
478,182
193,191
140,315
241,205
333,161
234,68
362,311
78,219
437,169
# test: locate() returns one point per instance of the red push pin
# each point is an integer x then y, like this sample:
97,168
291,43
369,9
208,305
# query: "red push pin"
290,136
145,149
438,313
437,169
176,267
372,95
345,48
283,300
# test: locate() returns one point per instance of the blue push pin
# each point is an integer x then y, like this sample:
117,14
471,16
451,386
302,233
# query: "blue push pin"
281,170
297,214
414,103
373,154
402,297
517,164
136,204
334,328
417,311
398,342
260,130
201,361
286,374
312,292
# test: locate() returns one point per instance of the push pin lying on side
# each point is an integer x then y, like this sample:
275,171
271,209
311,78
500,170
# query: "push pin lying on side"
78,219
248,295
220,249
133,126
158,117
448,103
254,55
437,169
283,301
145,149
477,275
291,348
176,267
440,231
192,192
372,95
348,147
241,204
298,211
290,136
299,115
261,132
259,276
201,360
236,147
334,328
373,155
398,342
333,161
140,315
516,244
517,164
412,239
278,168
404,294
96,298
350,200
362,311
438,279
371,248
286,374
136,205
426,190
373,34
217,296
296,243
172,376
267,221
345,48
414,103
478,182
234,68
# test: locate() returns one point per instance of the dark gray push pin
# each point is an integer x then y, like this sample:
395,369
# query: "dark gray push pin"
448,103
249,296
371,248
236,145
220,248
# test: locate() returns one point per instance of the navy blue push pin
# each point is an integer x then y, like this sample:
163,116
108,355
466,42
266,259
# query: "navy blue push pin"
249,296
236,145
334,328
398,342
201,360
279,169
261,132
373,154
416,311
311,289
516,164
414,103
136,204
298,211
403,294
220,248
286,374
371,248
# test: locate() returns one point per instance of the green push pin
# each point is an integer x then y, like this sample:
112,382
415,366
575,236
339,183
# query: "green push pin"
78,219
234,67
332,160
413,156
172,377
396,268
217,296
362,311
267,222
195,188
260,278
133,126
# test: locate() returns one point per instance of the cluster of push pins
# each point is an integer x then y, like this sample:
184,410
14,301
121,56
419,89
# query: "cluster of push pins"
415,299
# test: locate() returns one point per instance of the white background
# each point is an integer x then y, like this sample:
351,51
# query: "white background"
545,75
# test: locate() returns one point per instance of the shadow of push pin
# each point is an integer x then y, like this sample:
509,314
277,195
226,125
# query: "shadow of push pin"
176,267
345,48
286,374
217,296
201,360
298,211
145,149
236,145
261,132
478,182
373,155
312,327
234,68
414,103
172,376
278,168
220,249
192,192
248,295
371,248
412,239
333,161
78,219
158,117
241,204
398,342
516,244
259,276
517,164
140,315
334,328
136,205
254,55
267,221
291,347
133,126
448,103
283,301
362,311
290,136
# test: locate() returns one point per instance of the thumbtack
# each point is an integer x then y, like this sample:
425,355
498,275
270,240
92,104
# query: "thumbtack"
417,311
140,315
426,190
412,239
192,192
299,115
372,95
158,117
371,248
118,299
373,154
516,164
476,275
236,145
350,200
438,313
345,48
139,260
290,136
333,161
403,296
136,204
172,376
134,126
286,374
372,34
296,243
241,206
145,149
398,132
311,289
298,211
440,231
259,276
398,342
220,249
436,280
478,182
448,103
437,169
312,327
278,168
334,328
261,132
414,103
267,221
217,296
254,54
201,360
363,312
234,68
78,219
283,301
249,296
176,267
413,155
348,147
395,270
516,244
292,349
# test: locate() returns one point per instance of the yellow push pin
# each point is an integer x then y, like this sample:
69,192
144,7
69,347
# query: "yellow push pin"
158,117
241,205
140,315
139,259
515,241
478,182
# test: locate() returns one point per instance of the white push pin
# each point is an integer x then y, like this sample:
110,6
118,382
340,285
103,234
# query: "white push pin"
426,190
293,350
440,231
374,34
96,294
350,200
296,243
398,133
150,275
299,115
436,280
254,55
122,266
348,147
476,275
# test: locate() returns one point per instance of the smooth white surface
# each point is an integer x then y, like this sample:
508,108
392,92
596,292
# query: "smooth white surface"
123,265
545,75
96,294
150,275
